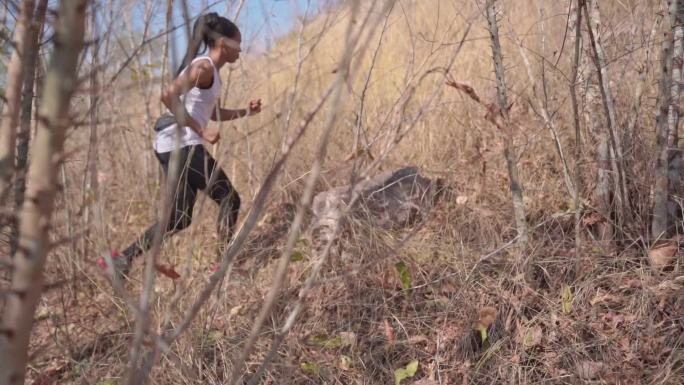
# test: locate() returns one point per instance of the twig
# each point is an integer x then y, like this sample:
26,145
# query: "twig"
546,115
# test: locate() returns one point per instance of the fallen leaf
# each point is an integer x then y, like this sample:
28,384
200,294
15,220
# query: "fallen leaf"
359,152
425,381
669,287
325,342
406,372
348,339
593,219
614,319
296,256
309,367
487,317
566,299
345,362
662,256
404,275
484,212
235,310
606,298
588,370
417,339
167,271
389,332
532,336
215,336
494,116
464,87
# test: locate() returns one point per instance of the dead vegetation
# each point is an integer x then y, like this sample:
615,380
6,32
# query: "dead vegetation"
454,298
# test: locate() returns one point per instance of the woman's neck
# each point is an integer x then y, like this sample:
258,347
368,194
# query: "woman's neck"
215,55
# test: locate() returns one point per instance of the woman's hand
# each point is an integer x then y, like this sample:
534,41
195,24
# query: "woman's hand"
254,107
211,134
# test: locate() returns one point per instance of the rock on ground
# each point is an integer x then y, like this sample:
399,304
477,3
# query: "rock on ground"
390,200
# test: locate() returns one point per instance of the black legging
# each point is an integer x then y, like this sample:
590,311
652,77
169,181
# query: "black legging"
197,166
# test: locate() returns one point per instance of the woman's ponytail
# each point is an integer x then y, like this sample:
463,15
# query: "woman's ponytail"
206,29
198,36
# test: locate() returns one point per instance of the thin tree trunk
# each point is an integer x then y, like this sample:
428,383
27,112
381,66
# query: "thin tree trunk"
615,151
28,262
578,137
604,193
589,92
668,96
91,187
10,115
676,13
24,135
509,152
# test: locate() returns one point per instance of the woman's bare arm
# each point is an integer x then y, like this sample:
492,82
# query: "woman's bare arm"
225,114
200,74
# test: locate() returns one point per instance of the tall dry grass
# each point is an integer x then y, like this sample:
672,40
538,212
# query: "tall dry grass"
614,320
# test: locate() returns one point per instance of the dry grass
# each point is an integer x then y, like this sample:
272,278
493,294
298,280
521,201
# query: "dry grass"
607,318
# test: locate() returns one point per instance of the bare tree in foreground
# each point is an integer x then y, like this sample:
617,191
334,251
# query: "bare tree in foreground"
15,78
35,217
24,134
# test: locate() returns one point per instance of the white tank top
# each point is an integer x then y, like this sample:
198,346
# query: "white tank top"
200,104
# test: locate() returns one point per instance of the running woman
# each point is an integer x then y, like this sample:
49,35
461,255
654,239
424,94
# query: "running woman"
192,101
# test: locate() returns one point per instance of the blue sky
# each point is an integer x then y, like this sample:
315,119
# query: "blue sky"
260,21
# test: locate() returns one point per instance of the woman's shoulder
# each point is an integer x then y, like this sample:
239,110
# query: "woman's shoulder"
201,72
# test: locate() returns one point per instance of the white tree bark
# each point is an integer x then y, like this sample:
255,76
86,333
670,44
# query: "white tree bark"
28,262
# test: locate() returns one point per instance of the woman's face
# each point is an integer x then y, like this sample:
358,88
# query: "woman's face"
230,48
